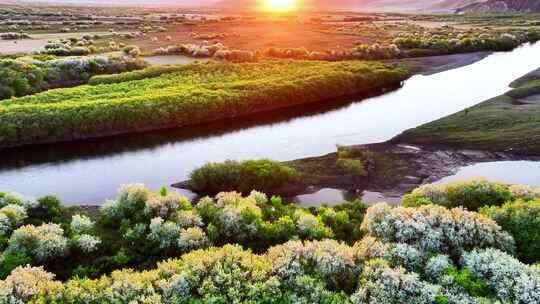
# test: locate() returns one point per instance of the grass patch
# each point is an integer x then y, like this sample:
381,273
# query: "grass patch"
504,123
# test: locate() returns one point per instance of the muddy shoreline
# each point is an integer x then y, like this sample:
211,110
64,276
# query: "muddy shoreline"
397,168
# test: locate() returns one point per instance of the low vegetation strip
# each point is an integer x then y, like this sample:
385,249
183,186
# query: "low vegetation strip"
149,72
200,93
510,122
262,175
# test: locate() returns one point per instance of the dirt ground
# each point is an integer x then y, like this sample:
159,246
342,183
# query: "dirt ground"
256,35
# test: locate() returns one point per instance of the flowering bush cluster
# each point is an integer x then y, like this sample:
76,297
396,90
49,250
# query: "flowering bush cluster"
435,229
26,75
471,194
44,242
448,39
283,253
295,272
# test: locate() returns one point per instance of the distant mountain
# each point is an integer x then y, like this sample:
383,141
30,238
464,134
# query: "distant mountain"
446,6
502,6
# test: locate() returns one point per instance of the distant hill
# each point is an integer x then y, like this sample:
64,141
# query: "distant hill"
502,6
446,6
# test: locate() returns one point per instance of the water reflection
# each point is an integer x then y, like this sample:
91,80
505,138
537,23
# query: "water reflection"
510,172
331,197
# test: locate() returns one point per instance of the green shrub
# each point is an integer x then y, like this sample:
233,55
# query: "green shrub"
522,220
48,209
472,194
18,78
11,261
347,164
477,193
474,286
354,167
262,175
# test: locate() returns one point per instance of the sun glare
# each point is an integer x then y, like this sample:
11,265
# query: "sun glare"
280,5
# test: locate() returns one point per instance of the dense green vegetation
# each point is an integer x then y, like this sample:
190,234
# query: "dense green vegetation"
244,176
255,249
522,219
473,194
510,122
199,93
26,75
351,162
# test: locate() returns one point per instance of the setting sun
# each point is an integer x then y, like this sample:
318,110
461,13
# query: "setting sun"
280,5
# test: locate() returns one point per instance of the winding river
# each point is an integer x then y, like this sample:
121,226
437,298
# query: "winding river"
91,172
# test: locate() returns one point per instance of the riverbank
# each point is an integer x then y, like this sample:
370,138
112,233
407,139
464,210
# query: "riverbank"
509,122
504,128
392,170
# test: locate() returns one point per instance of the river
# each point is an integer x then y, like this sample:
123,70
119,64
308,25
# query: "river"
91,172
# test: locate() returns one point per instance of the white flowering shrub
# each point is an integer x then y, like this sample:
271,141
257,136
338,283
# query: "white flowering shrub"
524,192
88,243
165,206
25,284
43,242
511,280
165,233
235,216
369,248
192,238
128,286
189,218
11,217
222,275
310,226
136,232
437,267
5,225
382,284
329,261
228,198
131,199
434,193
406,256
305,289
435,229
259,197
81,223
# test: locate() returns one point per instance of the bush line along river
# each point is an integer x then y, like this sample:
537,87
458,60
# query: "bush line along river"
90,172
